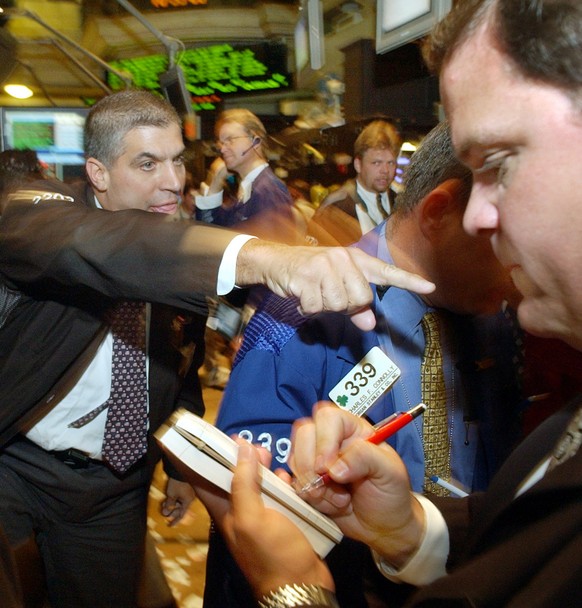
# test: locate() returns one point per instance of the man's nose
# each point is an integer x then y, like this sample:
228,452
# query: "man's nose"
173,177
481,214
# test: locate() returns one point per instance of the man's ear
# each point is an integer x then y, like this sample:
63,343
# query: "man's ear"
358,165
439,207
97,174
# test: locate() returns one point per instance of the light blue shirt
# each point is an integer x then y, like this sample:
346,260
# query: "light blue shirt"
286,364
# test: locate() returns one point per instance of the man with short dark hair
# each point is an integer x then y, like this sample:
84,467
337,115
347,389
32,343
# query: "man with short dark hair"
99,297
287,362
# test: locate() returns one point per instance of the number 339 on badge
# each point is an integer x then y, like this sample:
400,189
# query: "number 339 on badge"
358,390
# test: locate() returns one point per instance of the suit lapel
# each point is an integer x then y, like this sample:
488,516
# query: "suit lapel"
537,446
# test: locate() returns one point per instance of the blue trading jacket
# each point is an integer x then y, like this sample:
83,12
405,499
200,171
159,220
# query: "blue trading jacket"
287,363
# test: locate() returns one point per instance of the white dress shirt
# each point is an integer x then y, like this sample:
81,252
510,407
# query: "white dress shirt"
212,201
94,386
429,561
371,216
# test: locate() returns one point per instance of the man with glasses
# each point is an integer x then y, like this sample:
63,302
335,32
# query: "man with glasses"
262,207
262,202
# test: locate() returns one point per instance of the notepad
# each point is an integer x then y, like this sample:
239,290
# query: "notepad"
213,455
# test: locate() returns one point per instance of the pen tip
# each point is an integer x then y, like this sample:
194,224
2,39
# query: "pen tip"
312,485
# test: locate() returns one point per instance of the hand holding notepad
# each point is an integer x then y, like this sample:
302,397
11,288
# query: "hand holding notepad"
211,454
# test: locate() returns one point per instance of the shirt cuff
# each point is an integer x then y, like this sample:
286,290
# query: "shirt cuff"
429,561
210,201
227,269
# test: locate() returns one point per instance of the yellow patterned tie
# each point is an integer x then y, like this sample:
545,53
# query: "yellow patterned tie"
569,442
437,454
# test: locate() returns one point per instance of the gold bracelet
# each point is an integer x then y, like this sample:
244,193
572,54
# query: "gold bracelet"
295,596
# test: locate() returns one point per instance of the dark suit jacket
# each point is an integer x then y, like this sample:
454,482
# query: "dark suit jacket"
524,551
65,264
336,221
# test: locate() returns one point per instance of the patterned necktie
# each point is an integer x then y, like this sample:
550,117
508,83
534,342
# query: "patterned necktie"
125,439
437,458
569,443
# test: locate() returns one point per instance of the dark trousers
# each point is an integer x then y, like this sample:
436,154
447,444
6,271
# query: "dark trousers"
89,525
10,590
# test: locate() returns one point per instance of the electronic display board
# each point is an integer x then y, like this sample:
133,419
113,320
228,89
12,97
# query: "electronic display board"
55,134
213,72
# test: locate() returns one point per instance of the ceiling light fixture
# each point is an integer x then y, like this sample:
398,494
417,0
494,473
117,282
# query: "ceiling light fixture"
20,91
408,146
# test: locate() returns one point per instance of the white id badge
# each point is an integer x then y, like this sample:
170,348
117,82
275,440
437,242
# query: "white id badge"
358,390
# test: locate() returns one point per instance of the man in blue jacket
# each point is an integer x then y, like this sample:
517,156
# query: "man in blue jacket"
262,207
286,364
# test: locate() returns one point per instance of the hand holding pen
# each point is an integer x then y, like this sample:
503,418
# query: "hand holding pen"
382,431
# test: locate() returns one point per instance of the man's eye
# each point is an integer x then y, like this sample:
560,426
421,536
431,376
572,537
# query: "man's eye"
495,168
148,166
488,166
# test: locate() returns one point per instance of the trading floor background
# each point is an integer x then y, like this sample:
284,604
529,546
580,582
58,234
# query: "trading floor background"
183,549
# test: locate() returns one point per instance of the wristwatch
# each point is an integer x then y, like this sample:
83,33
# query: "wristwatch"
299,596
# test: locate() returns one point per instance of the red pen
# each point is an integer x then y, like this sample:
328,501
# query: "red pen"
383,429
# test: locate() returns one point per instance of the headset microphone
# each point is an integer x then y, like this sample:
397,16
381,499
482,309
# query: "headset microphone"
256,141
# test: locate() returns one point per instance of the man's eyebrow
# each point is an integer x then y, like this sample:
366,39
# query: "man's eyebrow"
145,156
463,151
469,151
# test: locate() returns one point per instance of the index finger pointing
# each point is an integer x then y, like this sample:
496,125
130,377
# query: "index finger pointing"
380,273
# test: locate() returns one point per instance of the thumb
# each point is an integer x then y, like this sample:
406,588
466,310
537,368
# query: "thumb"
364,319
245,489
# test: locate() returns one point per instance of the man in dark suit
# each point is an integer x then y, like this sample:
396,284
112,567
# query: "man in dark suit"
262,206
70,255
511,79
287,362
366,201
